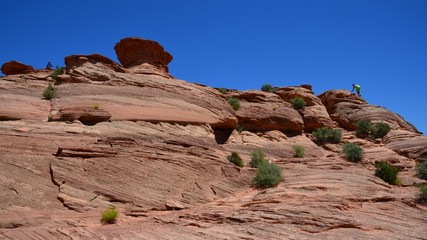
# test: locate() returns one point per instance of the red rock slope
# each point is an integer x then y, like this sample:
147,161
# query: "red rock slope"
156,148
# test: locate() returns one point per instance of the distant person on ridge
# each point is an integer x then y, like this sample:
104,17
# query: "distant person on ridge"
49,66
357,87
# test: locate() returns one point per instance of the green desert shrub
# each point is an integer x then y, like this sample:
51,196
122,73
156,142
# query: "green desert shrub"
109,215
422,170
49,92
423,193
379,130
386,172
235,158
58,71
240,129
352,152
327,135
363,128
298,103
268,175
257,158
234,102
267,88
298,151
222,90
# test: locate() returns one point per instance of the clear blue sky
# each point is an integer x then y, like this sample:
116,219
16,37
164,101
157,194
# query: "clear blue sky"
243,44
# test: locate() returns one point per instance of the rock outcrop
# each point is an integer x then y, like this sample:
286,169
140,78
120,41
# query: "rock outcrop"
314,113
14,67
346,109
142,56
156,148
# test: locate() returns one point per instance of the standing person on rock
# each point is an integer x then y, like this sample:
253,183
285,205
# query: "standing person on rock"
357,87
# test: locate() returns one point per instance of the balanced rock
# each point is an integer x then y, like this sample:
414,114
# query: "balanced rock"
142,56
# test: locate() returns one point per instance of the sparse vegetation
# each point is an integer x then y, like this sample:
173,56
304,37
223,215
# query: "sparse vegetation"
267,88
386,172
257,158
49,118
234,102
240,129
275,107
268,175
298,103
423,193
364,128
298,151
109,215
96,106
58,71
49,92
234,157
379,130
353,152
222,90
422,170
327,135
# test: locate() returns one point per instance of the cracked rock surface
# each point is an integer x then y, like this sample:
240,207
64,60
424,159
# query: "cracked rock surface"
156,148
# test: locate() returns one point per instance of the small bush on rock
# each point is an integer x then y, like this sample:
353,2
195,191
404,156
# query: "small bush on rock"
58,71
379,130
327,135
236,159
109,215
352,152
268,175
223,90
267,88
298,151
386,172
298,103
257,158
423,193
234,102
49,92
363,128
422,170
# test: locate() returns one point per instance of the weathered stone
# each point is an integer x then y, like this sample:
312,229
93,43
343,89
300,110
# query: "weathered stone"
14,67
346,109
160,145
314,113
86,115
142,56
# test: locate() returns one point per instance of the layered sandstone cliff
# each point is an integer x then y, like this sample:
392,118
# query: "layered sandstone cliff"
155,147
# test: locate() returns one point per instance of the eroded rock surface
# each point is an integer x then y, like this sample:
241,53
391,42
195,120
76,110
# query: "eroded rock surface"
14,67
346,109
142,56
156,148
314,113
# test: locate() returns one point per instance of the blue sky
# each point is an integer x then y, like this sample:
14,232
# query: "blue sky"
243,44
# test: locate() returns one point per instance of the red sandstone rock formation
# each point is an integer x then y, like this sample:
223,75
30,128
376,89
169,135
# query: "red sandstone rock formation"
149,145
14,67
142,56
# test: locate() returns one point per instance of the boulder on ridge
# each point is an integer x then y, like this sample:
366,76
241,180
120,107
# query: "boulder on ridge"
142,56
14,67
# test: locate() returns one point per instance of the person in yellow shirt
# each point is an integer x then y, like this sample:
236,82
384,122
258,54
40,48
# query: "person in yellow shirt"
357,87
